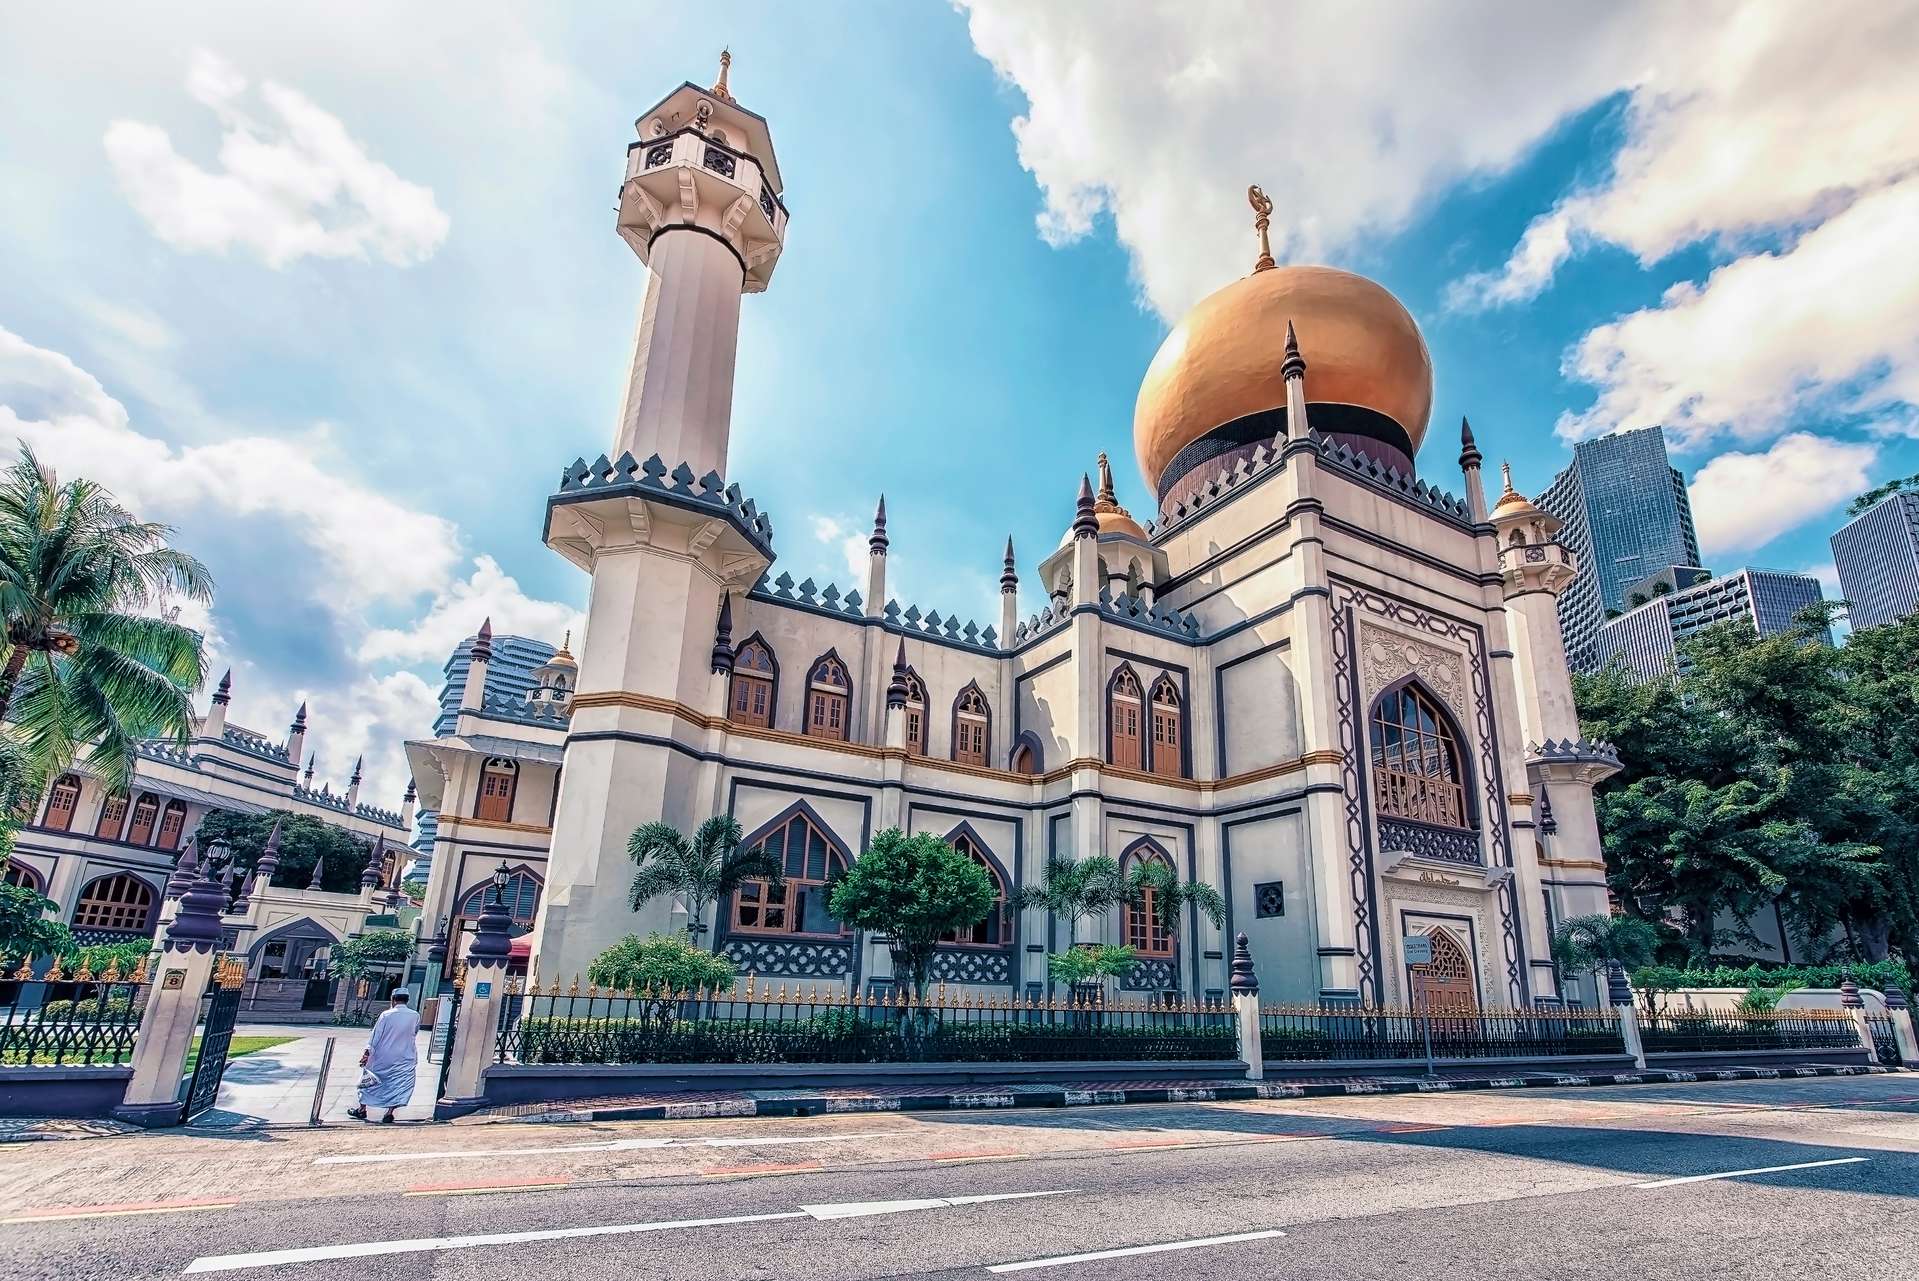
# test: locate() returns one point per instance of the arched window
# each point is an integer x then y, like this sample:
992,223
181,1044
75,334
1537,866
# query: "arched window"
1144,933
113,816
1416,767
173,821
829,697
146,812
1123,716
118,902
1446,985
499,779
754,674
522,899
972,726
62,799
1169,758
915,713
798,906
23,877
1025,758
992,931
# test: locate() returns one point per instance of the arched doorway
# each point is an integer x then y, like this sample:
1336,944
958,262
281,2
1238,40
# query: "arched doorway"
1446,986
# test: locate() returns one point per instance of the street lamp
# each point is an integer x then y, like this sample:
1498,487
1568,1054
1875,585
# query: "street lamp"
501,875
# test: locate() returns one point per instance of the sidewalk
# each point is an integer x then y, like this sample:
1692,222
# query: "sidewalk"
744,1103
275,1086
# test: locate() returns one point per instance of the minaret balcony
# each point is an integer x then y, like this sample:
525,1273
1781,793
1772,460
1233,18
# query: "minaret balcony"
685,178
1537,566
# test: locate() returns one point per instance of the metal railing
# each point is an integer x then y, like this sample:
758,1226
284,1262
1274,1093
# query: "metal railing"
1885,1041
758,1024
1309,1033
81,1019
1699,1031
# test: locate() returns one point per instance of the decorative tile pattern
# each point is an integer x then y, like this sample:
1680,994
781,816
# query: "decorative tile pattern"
973,965
799,958
1151,974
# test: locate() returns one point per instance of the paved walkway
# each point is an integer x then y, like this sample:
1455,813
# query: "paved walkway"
275,1086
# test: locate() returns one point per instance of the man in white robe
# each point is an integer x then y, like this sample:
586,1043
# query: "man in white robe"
391,1060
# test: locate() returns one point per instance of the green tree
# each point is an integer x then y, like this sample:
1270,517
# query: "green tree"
914,890
85,666
660,963
304,840
25,928
1874,496
702,871
1090,964
1588,944
1172,896
1076,890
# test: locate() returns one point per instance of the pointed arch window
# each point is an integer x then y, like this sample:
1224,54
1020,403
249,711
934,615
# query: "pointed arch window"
1144,933
992,930
809,858
829,698
1417,772
173,821
21,876
146,812
499,781
113,816
1025,759
62,799
119,902
754,674
972,726
915,713
1123,719
1169,756
521,898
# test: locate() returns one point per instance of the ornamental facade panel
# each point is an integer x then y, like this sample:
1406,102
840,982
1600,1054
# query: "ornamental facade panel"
798,958
972,965
1150,974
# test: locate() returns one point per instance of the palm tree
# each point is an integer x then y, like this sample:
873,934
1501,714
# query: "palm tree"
1172,896
706,869
1589,944
1082,890
84,664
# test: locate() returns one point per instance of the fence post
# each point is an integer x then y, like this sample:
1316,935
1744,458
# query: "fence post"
180,977
1619,993
1902,1030
475,1031
1855,1005
1245,988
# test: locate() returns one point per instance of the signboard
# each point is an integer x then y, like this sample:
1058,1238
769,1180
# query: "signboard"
486,989
1417,949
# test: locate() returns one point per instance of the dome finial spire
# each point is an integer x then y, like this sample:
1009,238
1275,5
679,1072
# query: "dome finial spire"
726,64
1106,493
1506,475
1262,218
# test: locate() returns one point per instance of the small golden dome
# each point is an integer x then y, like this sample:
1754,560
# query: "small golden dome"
1112,518
1222,361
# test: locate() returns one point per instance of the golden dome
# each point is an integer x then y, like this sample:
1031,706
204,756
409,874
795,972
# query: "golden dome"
1222,362
1514,505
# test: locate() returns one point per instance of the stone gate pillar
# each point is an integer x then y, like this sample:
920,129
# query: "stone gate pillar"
472,1051
180,976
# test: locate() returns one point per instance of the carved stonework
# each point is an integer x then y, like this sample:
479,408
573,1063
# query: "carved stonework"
1150,974
1443,843
798,958
1387,656
1454,902
969,965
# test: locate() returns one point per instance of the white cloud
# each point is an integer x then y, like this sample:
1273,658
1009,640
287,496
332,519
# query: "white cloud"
1743,501
851,545
1831,322
297,186
456,613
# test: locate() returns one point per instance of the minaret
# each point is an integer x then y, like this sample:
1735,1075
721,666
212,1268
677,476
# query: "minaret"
876,563
896,692
1086,582
1008,597
722,660
215,724
1469,460
297,740
1293,370
353,783
473,693
307,782
701,207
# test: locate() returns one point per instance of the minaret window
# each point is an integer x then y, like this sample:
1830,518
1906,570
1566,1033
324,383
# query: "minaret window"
915,713
972,727
1144,933
1168,753
62,799
992,930
119,902
809,858
113,816
146,812
499,780
751,702
829,695
1123,717
1416,764
173,821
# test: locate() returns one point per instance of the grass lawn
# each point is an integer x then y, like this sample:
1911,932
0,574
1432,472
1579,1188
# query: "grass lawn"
240,1045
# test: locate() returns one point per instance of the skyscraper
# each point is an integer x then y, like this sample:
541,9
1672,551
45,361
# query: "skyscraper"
1626,516
1646,639
1877,554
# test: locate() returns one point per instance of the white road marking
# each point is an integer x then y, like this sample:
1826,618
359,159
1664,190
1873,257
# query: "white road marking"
611,1145
420,1245
1059,1259
1740,1174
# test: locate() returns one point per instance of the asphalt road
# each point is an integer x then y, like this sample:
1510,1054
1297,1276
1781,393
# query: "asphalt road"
1519,1185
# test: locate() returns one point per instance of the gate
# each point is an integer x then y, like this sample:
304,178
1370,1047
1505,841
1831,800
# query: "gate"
439,1046
216,1036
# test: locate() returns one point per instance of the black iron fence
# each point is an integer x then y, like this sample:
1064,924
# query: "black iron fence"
70,1022
762,1025
1885,1041
1308,1033
1698,1031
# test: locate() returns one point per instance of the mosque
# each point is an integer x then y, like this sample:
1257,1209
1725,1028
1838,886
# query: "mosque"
1311,677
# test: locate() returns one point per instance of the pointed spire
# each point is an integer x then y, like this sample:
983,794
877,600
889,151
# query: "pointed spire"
723,635
1506,474
1469,455
1008,574
224,694
877,544
370,874
412,793
483,643
309,778
1085,522
1294,366
269,857
319,873
300,720
1547,823
185,872
896,688
1106,494
726,65
359,763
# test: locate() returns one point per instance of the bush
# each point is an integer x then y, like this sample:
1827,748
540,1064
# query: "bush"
661,963
88,1010
1875,974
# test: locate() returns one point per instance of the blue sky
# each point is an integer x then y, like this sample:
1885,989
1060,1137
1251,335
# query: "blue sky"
338,292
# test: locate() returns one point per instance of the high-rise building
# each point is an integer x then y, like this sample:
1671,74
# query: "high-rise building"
1646,639
1877,555
1626,516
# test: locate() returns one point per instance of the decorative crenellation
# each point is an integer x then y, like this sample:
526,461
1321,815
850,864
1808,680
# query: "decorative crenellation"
931,624
1131,607
248,741
1226,483
158,750
1345,456
1565,749
708,490
1052,618
512,707
324,797
829,600
808,593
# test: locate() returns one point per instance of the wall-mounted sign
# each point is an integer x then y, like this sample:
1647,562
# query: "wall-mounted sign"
1417,949
174,979
482,989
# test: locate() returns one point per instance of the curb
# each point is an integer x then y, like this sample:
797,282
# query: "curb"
1066,1097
